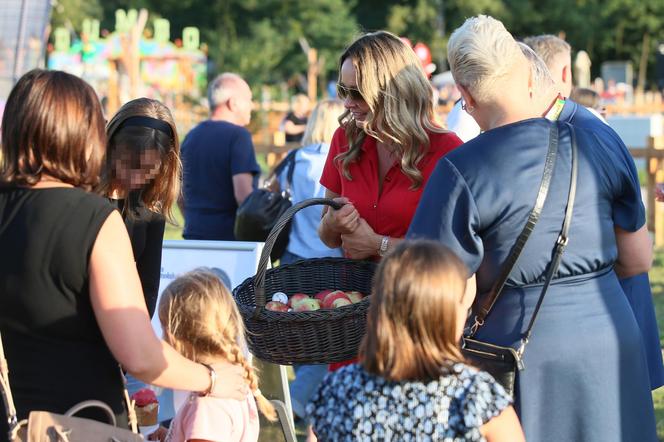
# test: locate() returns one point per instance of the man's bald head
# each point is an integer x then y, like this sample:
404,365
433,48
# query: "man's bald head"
229,90
557,54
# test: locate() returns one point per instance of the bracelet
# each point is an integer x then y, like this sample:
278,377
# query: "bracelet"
213,380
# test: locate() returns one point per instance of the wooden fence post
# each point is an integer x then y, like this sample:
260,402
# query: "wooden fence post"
656,175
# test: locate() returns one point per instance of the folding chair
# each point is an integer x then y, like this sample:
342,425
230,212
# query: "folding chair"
284,420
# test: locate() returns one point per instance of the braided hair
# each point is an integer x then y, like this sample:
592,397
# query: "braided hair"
202,322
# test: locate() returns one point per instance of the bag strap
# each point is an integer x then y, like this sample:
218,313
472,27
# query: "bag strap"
485,308
561,242
289,162
7,398
10,408
291,167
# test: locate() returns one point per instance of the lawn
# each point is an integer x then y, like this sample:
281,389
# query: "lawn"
657,283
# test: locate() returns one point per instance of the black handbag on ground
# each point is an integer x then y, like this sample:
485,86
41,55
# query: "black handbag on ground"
504,363
261,210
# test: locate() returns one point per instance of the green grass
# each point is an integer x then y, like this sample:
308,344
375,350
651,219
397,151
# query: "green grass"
657,283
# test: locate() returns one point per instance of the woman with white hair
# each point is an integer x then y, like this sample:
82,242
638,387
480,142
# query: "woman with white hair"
585,376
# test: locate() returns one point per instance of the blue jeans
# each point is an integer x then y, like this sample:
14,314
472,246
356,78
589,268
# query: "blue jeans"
307,377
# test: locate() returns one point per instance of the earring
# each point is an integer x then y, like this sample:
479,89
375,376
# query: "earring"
467,108
530,91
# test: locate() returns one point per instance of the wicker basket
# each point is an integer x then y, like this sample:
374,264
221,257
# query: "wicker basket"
315,337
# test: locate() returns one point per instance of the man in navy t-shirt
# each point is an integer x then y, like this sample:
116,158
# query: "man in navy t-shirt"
219,163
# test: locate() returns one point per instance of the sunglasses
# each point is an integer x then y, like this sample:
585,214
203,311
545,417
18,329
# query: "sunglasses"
348,92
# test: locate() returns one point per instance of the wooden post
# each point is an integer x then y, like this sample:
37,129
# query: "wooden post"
113,90
135,54
657,210
312,74
643,63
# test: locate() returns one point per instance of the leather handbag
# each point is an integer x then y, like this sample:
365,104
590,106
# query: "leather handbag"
44,426
261,210
504,362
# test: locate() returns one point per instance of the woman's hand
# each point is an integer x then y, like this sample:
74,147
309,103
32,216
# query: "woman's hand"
230,383
342,221
362,243
659,192
159,434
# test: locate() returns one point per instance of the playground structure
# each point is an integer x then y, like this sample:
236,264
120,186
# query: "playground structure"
133,61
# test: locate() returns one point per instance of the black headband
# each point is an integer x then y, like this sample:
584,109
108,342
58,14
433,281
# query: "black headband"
148,122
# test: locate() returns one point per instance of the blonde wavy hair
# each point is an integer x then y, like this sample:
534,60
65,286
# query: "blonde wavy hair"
159,195
412,321
201,321
322,122
392,82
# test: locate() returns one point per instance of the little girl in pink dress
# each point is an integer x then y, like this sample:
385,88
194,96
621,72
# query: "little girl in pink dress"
200,319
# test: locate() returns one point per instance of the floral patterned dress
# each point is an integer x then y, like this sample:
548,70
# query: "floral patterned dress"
353,405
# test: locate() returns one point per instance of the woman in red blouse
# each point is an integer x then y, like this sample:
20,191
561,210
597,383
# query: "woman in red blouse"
387,146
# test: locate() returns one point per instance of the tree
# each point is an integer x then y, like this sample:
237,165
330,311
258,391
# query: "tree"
71,13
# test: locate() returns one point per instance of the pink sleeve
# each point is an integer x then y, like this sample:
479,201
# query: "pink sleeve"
207,421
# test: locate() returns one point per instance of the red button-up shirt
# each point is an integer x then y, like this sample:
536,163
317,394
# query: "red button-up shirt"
391,211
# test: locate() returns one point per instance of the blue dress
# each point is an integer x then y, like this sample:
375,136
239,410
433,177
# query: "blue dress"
353,405
585,377
637,288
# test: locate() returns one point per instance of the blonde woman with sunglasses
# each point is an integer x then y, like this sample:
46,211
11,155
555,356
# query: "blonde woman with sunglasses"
386,148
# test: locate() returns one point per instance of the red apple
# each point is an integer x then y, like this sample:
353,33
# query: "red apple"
307,305
276,306
296,299
329,299
341,302
355,296
321,295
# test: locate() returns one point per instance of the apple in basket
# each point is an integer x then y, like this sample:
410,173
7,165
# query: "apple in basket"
322,294
332,296
276,306
307,305
297,298
355,296
341,302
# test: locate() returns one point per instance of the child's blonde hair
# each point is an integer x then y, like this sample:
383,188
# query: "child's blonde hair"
413,317
201,321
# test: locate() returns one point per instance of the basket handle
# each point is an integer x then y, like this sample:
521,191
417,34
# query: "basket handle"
259,281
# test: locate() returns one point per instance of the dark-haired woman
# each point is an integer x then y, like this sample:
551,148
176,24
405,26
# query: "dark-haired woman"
141,177
71,306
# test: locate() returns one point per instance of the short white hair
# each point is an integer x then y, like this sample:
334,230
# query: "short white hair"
223,88
542,79
548,47
481,52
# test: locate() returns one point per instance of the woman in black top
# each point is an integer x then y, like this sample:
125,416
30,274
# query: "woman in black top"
70,297
141,177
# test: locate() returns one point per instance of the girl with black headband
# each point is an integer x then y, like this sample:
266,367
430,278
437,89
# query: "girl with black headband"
141,176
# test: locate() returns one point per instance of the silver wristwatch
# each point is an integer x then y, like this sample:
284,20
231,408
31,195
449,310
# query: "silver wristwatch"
384,243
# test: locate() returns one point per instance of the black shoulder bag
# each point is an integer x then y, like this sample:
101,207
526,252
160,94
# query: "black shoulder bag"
261,210
503,363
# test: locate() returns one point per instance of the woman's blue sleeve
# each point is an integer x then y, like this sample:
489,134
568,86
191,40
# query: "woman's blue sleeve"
447,213
628,210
